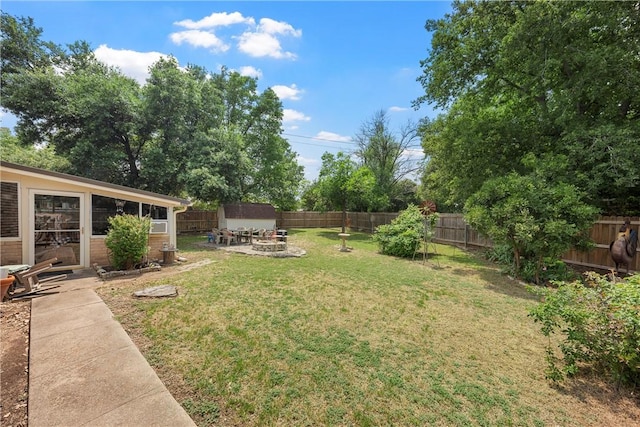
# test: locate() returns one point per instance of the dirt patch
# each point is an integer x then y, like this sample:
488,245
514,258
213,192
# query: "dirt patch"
14,363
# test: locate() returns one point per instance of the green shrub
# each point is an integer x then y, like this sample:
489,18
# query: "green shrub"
127,240
599,323
405,234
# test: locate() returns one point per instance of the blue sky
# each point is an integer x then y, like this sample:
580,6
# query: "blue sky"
332,63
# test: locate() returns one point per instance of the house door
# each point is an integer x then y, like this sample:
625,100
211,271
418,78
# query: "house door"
57,228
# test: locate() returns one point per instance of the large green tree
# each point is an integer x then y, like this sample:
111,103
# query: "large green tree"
384,152
262,166
184,132
342,185
43,157
535,77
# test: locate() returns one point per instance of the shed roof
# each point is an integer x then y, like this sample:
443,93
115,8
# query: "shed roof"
87,182
249,211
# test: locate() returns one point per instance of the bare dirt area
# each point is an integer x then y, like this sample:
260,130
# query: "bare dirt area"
14,363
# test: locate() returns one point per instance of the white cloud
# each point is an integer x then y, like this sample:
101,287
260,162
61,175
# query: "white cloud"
305,161
294,116
330,136
131,63
214,20
287,92
397,109
250,71
259,45
270,26
263,41
413,153
199,38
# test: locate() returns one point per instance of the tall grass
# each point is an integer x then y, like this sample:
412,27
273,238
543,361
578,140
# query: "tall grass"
355,338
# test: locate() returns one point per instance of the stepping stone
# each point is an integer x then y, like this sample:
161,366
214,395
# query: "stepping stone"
158,291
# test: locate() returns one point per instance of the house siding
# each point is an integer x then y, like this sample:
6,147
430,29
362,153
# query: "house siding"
100,253
10,252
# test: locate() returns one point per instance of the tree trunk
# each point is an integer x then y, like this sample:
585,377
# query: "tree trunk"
344,218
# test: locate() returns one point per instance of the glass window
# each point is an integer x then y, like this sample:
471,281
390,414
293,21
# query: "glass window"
155,212
104,207
9,209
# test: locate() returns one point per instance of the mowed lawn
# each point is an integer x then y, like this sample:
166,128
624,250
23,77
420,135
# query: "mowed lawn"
354,338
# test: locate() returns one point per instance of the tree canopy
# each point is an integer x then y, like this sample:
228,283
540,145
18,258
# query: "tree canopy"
384,153
543,78
374,178
186,131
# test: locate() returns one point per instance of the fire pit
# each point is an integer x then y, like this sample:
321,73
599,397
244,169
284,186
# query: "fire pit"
269,246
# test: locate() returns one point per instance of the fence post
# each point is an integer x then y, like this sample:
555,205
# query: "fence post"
466,235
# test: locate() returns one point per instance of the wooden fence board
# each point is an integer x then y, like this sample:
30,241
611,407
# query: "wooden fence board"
194,221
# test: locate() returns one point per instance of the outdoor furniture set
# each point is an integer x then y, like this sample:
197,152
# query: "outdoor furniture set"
260,239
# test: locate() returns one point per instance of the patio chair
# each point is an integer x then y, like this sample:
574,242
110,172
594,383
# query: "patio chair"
31,283
227,236
213,236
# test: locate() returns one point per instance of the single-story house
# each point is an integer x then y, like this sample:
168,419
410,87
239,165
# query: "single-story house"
248,215
46,214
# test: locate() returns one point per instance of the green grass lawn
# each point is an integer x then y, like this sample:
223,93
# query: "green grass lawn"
354,338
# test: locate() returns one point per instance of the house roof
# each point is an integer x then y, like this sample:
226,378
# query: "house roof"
87,182
249,211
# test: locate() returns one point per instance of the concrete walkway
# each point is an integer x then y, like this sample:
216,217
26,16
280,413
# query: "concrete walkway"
84,370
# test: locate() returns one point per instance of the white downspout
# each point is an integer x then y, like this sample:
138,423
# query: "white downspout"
173,236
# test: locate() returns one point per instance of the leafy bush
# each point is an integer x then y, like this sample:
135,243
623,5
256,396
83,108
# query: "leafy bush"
127,240
405,234
599,323
549,271
553,270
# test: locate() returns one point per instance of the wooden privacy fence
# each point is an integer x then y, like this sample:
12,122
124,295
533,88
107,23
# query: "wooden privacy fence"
308,219
361,221
450,229
193,221
603,232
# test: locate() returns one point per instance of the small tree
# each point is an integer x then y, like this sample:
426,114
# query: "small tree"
127,240
535,217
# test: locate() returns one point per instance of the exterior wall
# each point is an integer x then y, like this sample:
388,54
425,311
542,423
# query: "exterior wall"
155,244
222,220
20,250
99,252
10,252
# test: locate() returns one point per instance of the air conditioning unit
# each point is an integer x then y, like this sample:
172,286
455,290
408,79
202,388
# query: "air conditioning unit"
159,227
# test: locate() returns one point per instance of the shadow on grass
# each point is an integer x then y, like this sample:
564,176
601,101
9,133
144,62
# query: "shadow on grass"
471,263
590,385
